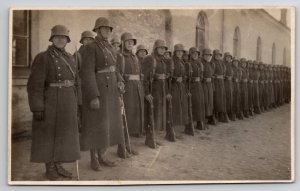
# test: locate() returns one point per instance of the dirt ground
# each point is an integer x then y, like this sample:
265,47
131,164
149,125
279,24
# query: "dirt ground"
258,148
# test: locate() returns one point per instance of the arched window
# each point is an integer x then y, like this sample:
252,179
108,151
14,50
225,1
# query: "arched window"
258,49
168,27
274,53
202,31
284,56
237,42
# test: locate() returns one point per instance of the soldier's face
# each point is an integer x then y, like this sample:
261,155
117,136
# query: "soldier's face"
116,46
228,59
141,53
207,57
179,54
235,63
105,32
60,41
167,55
195,55
87,41
218,56
161,50
129,44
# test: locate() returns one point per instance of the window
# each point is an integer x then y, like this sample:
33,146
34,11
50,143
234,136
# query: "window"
274,53
201,31
284,57
237,42
258,49
168,28
21,37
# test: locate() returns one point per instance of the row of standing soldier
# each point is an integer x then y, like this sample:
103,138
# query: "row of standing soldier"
159,92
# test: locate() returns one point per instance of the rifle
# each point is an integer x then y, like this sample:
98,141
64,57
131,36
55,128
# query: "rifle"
124,119
190,126
170,132
150,134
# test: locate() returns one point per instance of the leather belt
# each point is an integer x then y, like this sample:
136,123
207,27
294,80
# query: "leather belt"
133,77
255,81
207,79
262,81
228,78
250,81
245,80
236,80
107,70
196,79
271,81
160,76
219,77
178,79
65,83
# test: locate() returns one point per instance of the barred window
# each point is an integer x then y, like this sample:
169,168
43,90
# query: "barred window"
202,31
237,42
258,50
20,39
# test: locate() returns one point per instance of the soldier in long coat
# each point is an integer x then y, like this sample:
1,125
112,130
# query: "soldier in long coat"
261,86
198,106
178,90
141,53
52,92
265,95
101,86
236,78
271,87
134,92
155,71
228,83
250,87
244,88
255,77
219,88
208,71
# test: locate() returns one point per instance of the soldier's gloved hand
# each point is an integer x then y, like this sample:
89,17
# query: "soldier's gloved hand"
38,115
95,103
169,97
149,98
121,87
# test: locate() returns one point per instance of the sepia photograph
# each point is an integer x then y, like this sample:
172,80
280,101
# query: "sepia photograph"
135,96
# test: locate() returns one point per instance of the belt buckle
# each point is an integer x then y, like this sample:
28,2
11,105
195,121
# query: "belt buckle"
111,68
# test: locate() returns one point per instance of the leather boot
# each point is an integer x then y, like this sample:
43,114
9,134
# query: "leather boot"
122,152
51,172
62,171
189,130
225,117
200,125
131,150
94,160
212,120
149,141
246,114
104,161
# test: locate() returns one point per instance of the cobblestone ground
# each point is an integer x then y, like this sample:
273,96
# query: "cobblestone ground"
257,148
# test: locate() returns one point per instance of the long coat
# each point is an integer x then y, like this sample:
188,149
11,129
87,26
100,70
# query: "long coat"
178,92
271,88
208,87
156,65
261,88
198,106
55,138
250,88
219,93
101,127
256,101
236,103
229,87
134,93
244,90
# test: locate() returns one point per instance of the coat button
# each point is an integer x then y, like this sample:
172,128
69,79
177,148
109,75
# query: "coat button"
56,61
58,68
59,74
107,77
